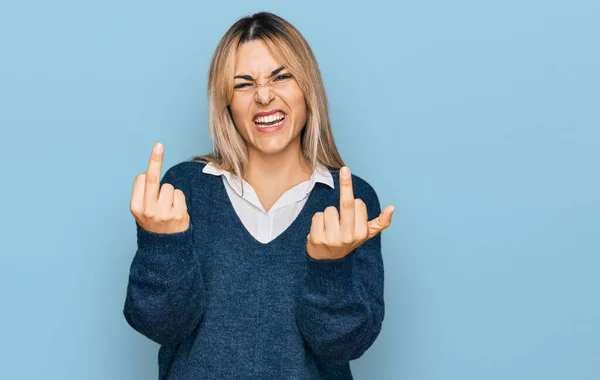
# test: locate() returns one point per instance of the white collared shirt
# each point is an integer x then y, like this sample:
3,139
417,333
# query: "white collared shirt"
266,226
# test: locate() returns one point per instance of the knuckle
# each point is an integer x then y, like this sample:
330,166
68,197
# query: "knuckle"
135,210
347,203
361,235
330,210
347,239
152,178
359,202
166,215
178,217
149,214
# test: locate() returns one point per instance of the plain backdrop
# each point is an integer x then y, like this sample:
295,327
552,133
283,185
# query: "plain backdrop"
478,120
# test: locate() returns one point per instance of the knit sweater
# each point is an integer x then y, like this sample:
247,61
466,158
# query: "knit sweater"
223,305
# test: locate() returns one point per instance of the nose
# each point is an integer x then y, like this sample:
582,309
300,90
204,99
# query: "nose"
264,95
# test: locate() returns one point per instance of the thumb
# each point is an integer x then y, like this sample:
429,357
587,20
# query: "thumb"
382,222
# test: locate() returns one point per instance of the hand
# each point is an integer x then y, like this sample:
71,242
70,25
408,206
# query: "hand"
333,235
159,209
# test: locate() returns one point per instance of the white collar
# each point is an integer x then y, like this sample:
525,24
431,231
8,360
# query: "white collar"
320,174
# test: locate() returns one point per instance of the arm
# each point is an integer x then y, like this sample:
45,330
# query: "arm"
342,306
165,293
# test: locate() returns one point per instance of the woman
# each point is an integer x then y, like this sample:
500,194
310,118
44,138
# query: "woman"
245,267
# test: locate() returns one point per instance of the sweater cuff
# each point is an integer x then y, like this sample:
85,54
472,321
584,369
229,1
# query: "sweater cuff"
179,244
330,276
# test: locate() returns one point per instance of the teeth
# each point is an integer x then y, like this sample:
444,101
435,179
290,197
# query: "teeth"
270,118
267,125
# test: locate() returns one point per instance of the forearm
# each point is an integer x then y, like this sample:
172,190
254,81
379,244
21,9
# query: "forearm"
165,297
341,307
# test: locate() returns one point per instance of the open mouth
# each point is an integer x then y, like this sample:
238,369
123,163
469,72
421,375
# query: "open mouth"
272,120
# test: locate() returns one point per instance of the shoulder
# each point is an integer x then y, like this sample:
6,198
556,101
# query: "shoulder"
183,172
359,184
362,189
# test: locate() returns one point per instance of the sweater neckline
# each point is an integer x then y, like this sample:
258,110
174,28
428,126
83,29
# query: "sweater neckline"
231,214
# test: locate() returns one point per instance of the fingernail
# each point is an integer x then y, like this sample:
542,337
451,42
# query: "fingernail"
157,148
345,172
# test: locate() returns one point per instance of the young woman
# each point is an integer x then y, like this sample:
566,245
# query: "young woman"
262,259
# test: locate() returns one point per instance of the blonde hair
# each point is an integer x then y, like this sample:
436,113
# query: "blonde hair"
289,46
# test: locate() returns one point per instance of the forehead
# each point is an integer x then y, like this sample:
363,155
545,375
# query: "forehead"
255,57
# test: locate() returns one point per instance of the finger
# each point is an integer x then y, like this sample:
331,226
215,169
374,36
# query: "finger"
153,175
137,196
179,203
382,222
346,203
165,198
361,224
317,228
331,223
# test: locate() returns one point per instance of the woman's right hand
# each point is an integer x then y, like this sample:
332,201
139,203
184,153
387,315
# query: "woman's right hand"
156,208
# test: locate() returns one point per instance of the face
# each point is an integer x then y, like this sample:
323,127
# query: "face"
268,106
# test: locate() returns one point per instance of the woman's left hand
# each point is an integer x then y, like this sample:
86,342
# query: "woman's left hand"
334,235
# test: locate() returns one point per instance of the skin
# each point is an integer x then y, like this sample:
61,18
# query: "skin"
275,164
159,209
333,234
275,161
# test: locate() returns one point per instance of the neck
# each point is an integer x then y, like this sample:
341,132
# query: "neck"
282,170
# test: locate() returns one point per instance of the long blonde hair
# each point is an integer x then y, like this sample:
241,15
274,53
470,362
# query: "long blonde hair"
289,46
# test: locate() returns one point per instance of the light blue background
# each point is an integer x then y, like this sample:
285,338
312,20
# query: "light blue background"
478,120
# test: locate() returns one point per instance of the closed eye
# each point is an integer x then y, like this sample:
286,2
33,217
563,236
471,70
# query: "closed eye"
283,76
277,78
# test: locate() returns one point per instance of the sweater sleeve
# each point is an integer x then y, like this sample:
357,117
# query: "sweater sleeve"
342,307
165,293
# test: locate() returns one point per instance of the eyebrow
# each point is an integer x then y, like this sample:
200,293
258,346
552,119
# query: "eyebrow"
249,77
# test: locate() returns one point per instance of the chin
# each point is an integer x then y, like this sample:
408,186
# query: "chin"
273,143
271,149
